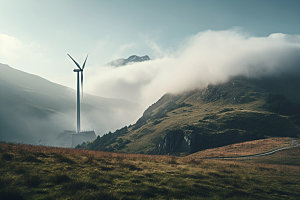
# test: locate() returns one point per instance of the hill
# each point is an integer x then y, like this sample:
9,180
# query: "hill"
34,110
38,172
243,149
240,109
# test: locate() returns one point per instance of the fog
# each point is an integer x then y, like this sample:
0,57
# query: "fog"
34,110
206,58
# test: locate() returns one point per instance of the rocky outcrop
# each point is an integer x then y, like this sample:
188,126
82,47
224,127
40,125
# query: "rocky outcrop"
224,130
130,59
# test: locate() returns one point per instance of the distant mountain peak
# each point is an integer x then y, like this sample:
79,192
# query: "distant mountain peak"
130,59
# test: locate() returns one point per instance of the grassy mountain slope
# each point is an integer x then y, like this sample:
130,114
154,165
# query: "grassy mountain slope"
238,110
35,110
37,172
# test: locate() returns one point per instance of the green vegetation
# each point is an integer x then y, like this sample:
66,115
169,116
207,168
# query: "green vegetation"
35,172
241,109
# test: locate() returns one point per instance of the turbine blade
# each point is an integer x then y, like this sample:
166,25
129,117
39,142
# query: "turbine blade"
82,83
84,62
75,62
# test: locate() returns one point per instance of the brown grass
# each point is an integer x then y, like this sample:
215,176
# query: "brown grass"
81,152
244,148
39,172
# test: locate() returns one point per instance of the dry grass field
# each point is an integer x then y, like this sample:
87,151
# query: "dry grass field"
244,148
37,172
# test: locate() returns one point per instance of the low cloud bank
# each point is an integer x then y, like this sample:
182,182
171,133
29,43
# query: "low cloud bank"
207,58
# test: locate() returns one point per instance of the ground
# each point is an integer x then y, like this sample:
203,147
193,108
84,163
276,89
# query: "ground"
37,172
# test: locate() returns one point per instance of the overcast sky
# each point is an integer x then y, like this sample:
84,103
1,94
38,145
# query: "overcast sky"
36,35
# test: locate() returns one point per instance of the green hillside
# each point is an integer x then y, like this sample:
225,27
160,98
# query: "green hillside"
238,110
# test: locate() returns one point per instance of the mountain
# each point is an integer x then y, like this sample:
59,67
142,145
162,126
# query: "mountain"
34,110
240,109
130,59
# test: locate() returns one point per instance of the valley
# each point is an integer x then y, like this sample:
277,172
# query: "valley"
158,100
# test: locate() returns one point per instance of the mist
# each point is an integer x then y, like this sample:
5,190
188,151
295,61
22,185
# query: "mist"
34,110
208,57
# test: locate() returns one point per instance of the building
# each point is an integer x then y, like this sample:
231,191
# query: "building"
72,139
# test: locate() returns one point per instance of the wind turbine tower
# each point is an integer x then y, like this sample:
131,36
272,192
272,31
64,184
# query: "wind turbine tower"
71,138
79,70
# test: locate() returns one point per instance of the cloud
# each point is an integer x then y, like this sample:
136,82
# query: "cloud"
123,49
158,52
209,57
17,53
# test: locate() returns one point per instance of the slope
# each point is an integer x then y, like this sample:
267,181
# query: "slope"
35,110
240,109
35,172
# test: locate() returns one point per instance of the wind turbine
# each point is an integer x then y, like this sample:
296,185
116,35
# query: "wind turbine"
79,70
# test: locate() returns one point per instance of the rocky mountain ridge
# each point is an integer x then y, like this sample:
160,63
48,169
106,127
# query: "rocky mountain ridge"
130,59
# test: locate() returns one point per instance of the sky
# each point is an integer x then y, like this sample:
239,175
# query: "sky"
36,35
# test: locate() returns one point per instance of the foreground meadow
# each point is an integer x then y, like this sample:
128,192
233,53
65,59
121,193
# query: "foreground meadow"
35,172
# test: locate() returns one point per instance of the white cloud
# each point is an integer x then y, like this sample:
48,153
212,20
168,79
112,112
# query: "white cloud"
123,49
158,52
207,58
28,57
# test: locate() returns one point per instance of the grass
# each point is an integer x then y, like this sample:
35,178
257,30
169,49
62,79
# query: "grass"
240,109
36,172
248,148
